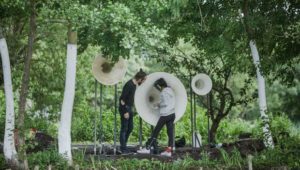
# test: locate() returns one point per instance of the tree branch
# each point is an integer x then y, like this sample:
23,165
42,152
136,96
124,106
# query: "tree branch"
245,9
231,103
1,33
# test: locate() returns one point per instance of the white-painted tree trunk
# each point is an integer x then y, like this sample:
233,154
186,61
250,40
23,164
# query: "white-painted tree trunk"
268,140
9,148
64,131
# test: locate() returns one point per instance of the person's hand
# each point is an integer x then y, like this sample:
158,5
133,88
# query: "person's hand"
122,102
126,115
156,105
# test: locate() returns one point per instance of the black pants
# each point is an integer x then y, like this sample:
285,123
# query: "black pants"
126,129
169,122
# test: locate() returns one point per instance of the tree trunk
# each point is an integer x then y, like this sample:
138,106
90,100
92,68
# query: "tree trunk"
268,140
24,87
213,130
9,148
64,131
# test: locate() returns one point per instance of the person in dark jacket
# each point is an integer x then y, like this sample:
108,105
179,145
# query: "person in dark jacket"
125,108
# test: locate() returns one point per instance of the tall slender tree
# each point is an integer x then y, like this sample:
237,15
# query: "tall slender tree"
268,140
9,148
25,86
64,131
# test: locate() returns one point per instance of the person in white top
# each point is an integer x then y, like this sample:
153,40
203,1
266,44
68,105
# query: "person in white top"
166,108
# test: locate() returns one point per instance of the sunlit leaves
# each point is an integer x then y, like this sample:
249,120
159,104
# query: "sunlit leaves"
121,32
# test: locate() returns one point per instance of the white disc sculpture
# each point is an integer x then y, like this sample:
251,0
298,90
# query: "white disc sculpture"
201,84
107,74
147,95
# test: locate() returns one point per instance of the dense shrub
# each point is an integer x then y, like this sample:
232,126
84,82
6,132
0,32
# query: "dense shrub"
285,153
230,129
3,164
46,158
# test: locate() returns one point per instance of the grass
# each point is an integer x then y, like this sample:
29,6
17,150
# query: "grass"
233,160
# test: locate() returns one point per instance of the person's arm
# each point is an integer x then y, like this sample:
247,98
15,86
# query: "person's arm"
125,93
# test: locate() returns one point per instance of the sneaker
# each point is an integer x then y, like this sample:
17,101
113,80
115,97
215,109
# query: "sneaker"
125,152
167,152
144,151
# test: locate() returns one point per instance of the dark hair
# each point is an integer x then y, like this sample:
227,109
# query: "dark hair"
160,83
140,75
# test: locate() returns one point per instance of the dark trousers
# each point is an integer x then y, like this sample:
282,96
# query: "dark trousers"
169,122
126,129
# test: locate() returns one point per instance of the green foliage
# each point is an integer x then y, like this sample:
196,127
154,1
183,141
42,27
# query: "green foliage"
230,129
83,119
45,158
79,158
233,159
221,64
272,42
122,163
285,153
206,160
3,164
185,123
283,98
185,37
281,124
120,31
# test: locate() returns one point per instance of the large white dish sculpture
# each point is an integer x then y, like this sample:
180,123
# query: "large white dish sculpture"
147,95
106,74
201,84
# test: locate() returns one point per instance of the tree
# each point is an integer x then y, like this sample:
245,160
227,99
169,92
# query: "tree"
64,131
120,30
24,86
283,16
215,28
217,46
13,19
268,140
221,70
9,148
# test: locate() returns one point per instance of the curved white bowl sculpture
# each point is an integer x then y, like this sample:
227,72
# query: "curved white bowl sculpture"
146,95
113,76
201,84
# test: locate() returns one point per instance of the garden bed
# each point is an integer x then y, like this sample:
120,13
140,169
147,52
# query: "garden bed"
244,146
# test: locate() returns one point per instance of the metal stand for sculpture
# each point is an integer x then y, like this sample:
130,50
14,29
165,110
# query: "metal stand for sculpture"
108,75
100,120
115,120
201,85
